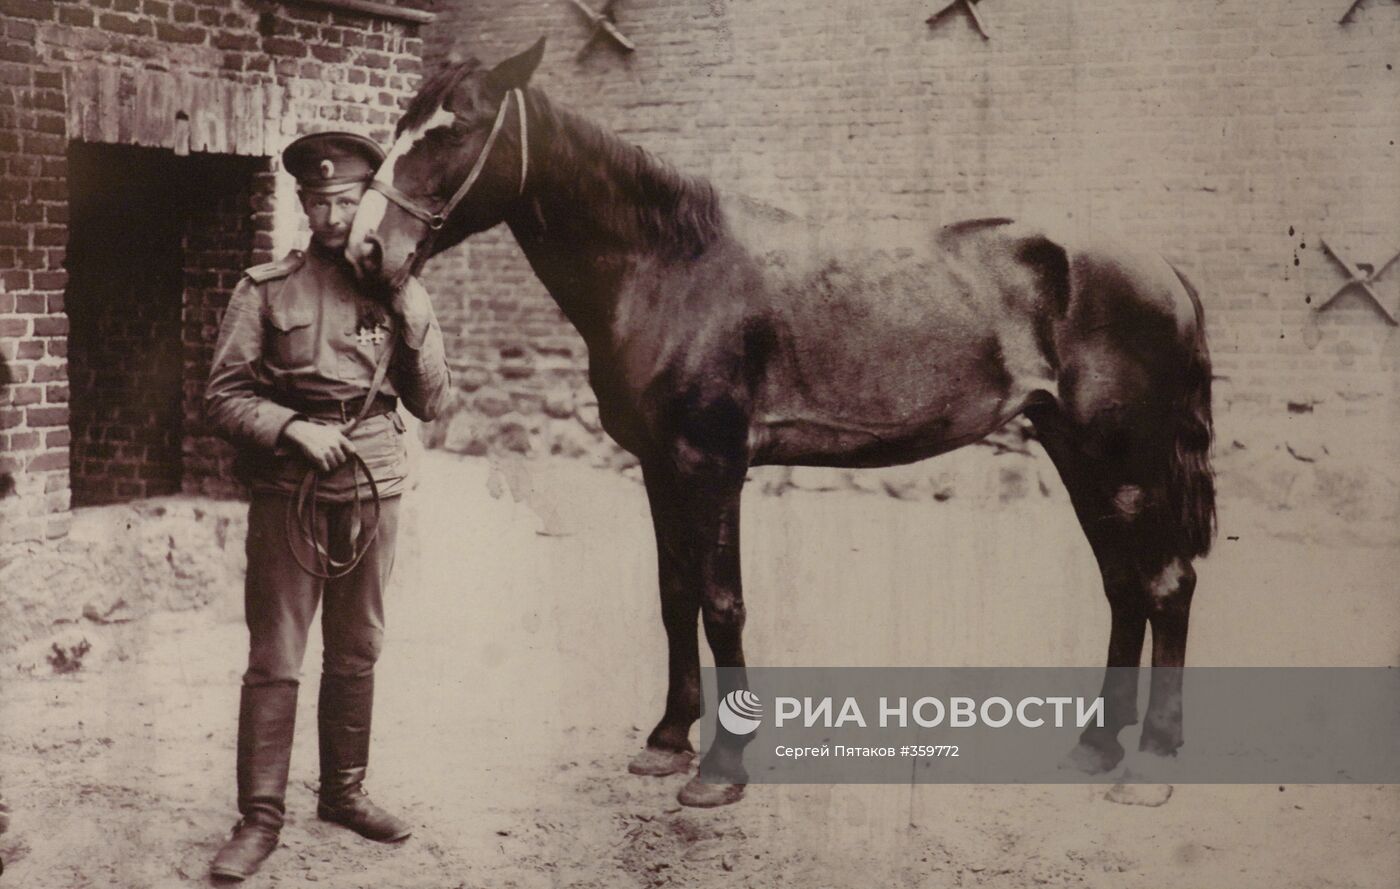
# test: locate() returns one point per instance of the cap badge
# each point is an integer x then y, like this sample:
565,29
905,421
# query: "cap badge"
327,169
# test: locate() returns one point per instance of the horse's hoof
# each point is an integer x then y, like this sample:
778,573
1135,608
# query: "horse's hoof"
1160,744
656,763
1146,780
1139,794
1093,760
1144,768
700,795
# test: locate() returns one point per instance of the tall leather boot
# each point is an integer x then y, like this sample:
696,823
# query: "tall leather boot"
266,720
343,717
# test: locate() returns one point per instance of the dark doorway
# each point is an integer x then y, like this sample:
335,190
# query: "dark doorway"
139,219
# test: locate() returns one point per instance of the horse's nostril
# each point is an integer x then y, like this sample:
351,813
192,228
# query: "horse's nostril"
371,253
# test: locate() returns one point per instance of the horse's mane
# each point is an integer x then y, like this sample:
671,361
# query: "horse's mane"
638,196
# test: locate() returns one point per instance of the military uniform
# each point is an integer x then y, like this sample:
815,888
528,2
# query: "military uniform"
300,341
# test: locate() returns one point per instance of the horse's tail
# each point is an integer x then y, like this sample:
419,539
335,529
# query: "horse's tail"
1190,479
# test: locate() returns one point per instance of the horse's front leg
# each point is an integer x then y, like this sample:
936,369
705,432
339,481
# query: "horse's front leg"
716,572
695,511
668,748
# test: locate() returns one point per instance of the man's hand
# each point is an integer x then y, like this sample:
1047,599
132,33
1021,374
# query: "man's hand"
410,304
325,446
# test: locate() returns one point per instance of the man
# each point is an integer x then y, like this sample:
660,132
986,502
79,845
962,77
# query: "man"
299,354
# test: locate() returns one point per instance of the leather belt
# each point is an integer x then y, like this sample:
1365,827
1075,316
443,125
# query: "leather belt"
336,411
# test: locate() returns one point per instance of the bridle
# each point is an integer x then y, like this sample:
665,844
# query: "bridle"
435,221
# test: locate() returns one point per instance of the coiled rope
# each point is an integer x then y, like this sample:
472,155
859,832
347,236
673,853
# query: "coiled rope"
301,509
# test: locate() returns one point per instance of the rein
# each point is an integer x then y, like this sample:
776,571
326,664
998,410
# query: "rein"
301,510
435,221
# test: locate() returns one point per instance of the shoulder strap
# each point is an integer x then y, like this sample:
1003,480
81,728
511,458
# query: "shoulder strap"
280,268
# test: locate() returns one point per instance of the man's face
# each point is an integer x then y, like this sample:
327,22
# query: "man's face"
330,215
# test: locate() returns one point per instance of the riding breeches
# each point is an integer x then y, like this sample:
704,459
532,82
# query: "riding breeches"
280,597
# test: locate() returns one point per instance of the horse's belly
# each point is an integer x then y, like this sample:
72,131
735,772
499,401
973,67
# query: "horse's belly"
821,439
919,396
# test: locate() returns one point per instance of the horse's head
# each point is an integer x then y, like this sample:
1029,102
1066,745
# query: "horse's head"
460,157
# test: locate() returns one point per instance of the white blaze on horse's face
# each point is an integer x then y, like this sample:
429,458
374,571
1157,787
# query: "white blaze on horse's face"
367,219
441,118
374,205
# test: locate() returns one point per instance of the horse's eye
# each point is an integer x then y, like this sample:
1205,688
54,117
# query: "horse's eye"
442,137
471,121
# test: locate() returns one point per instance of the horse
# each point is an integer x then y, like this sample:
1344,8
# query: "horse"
724,334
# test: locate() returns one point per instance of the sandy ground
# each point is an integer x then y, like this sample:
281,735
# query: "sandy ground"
526,661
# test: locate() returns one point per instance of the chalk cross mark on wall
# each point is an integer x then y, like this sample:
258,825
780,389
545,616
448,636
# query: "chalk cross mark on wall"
603,25
1346,16
971,7
1362,277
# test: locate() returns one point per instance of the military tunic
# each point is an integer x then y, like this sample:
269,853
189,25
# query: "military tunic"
299,341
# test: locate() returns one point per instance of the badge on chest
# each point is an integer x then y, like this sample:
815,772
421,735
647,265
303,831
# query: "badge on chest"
370,332
368,342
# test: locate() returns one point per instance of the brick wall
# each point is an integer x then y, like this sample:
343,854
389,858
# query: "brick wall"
33,328
156,245
1232,135
123,305
222,77
219,237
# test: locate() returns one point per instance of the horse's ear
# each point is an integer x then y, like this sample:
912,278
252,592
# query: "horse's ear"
515,71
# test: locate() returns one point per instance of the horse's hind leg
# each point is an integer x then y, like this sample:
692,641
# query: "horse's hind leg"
1169,612
1115,487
